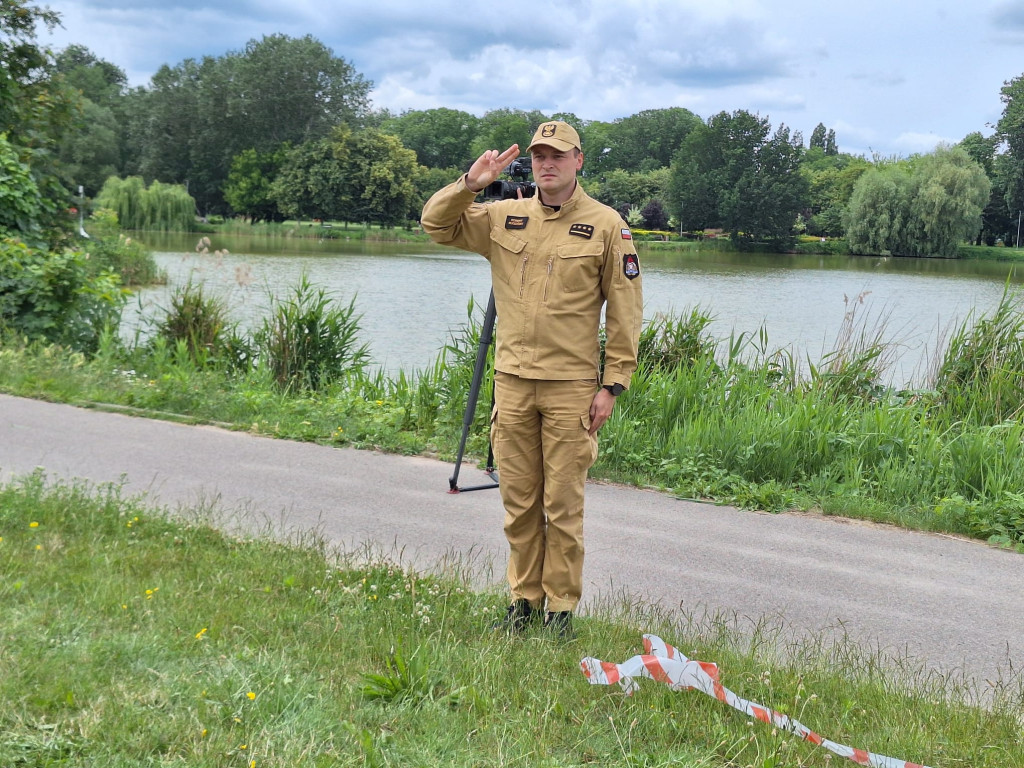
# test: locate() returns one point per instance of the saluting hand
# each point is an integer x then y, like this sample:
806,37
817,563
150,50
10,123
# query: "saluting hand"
489,166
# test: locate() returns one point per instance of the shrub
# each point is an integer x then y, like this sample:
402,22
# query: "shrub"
55,297
308,343
109,249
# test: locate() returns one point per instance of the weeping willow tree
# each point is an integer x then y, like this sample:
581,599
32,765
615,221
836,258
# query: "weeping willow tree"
160,207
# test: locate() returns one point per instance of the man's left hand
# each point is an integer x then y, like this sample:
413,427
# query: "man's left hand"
600,409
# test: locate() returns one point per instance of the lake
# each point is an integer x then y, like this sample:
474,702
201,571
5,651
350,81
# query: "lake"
412,296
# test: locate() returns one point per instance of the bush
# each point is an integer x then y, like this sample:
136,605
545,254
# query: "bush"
55,297
109,249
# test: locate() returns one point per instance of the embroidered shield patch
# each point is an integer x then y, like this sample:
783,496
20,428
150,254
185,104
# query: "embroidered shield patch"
630,265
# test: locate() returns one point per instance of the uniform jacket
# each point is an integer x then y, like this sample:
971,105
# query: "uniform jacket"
551,271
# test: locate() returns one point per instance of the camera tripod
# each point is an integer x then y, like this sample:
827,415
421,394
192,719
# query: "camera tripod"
486,336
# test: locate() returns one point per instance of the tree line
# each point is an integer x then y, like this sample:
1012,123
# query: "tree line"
285,129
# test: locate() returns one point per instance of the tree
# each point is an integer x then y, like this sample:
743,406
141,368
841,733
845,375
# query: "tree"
311,183
763,205
429,180
97,80
823,139
200,115
951,192
364,176
168,112
292,90
925,206
441,138
35,115
818,138
830,180
91,155
250,183
654,215
1010,129
729,174
380,174
501,128
160,207
648,140
995,218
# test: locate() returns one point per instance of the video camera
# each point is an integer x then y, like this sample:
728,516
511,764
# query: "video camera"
503,189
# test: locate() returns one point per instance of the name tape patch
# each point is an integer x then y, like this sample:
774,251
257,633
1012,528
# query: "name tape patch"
582,230
627,235
516,222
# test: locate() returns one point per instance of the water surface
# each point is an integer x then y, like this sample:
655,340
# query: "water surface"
412,297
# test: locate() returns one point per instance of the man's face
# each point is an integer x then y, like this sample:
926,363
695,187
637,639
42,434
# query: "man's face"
554,171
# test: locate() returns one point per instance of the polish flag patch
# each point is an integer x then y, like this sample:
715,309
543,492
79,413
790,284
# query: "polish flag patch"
626,235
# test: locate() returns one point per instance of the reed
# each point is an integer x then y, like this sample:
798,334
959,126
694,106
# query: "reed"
308,341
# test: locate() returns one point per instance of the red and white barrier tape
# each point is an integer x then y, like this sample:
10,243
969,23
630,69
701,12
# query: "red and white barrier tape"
668,665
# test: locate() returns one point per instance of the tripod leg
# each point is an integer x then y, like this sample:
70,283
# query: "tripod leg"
486,335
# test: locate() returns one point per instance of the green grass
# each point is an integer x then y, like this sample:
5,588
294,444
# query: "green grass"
331,230
129,637
991,253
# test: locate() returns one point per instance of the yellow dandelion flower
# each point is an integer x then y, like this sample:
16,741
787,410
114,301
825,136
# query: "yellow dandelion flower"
242,746
38,547
200,633
251,695
203,734
33,524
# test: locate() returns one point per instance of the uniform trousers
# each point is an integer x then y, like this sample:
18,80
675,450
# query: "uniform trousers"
543,451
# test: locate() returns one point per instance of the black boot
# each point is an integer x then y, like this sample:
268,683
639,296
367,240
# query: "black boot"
519,617
559,623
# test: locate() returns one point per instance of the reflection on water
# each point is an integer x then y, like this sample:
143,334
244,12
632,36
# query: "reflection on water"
412,297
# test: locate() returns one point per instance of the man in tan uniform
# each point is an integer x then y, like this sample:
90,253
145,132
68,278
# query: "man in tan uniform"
556,260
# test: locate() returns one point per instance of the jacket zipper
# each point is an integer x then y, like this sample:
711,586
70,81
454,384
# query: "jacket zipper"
522,277
548,280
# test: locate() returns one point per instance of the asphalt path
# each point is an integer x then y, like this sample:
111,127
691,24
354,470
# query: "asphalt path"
942,603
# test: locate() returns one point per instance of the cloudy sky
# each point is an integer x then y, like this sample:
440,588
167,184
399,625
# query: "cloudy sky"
889,76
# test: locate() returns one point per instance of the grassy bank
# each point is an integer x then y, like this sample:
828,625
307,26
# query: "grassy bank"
314,230
192,647
736,421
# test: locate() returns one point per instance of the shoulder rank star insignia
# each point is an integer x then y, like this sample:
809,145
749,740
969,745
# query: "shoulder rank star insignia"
582,230
627,235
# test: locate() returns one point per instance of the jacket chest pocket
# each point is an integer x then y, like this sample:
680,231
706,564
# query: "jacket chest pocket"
507,254
578,265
